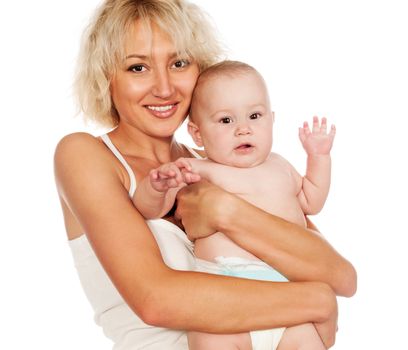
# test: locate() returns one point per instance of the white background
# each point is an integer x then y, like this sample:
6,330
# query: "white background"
346,60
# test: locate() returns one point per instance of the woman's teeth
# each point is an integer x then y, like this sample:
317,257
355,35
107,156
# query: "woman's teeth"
160,108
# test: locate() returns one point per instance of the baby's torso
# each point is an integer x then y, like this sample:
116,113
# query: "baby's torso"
272,186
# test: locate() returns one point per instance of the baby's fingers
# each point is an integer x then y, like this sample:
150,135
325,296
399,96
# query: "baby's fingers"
172,183
304,131
183,163
170,172
323,126
190,177
154,174
166,173
316,126
171,179
302,135
332,132
306,128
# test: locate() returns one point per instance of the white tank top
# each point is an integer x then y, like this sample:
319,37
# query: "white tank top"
118,321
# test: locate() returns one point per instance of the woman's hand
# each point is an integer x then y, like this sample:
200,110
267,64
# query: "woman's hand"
201,208
296,252
327,328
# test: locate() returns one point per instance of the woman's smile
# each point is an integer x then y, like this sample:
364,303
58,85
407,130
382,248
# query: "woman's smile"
162,111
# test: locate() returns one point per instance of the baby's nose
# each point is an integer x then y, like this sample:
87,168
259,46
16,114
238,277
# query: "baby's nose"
243,129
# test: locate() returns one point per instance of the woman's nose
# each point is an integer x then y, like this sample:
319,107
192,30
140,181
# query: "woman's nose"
163,87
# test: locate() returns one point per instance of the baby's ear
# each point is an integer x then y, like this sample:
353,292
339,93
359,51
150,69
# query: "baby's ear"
194,131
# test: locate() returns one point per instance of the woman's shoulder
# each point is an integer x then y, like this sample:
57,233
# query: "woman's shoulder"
80,151
81,161
76,139
78,144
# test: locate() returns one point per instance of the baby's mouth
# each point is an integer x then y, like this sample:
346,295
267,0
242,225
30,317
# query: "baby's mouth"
244,146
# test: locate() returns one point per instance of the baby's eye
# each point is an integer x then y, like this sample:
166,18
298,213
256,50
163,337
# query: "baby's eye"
254,115
137,68
180,64
226,120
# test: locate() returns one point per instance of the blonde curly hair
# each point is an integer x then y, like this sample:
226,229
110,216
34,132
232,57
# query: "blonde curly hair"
103,45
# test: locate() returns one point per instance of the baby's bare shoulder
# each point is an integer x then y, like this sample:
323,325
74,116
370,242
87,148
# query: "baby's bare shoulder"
277,159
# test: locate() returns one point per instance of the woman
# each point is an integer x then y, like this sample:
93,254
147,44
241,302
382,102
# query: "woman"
140,61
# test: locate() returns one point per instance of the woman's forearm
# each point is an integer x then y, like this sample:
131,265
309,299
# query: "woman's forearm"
296,252
207,299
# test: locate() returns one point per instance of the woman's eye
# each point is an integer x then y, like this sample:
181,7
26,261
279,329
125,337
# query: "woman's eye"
226,120
137,68
181,64
254,116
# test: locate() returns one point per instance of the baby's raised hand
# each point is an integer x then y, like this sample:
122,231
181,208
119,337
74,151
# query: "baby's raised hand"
172,175
317,141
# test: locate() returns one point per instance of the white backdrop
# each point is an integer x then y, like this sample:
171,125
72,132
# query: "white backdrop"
346,60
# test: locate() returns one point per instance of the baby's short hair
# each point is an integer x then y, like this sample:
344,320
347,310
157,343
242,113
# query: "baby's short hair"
227,67
224,68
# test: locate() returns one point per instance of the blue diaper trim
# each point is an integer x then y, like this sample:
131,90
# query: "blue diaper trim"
262,275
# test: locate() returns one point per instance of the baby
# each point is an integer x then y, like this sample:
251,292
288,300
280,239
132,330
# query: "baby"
231,118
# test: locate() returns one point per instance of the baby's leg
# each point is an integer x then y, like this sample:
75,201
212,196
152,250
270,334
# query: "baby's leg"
302,337
207,341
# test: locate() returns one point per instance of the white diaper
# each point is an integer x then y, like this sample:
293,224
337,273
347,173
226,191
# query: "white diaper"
252,269
266,340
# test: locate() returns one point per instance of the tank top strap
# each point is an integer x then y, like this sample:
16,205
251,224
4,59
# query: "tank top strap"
194,153
106,139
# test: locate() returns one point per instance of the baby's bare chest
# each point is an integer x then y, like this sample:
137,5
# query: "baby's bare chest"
270,177
273,187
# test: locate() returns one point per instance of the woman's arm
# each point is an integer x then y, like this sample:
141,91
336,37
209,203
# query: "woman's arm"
91,183
298,253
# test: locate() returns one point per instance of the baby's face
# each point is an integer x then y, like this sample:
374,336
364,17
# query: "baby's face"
234,119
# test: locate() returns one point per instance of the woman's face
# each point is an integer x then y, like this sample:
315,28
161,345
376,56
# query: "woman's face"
152,91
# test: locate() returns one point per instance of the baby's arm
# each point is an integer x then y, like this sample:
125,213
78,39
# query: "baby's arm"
316,183
156,193
229,178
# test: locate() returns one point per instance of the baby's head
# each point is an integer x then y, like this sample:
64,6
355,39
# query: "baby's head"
231,116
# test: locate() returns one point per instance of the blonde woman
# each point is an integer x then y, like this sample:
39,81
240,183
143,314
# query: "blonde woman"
139,63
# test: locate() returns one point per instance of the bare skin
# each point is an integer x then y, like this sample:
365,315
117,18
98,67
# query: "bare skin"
93,188
235,126
311,251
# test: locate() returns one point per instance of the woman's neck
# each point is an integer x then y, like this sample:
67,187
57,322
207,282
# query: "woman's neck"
134,143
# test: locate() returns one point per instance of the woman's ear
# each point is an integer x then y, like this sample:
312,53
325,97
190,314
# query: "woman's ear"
194,131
